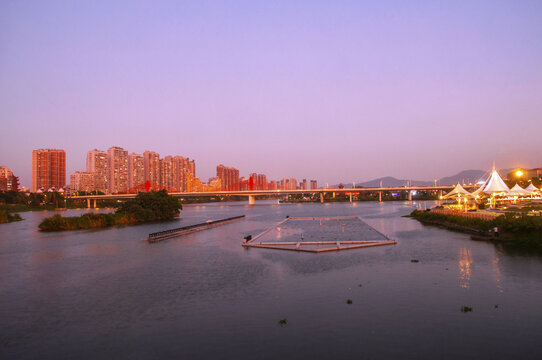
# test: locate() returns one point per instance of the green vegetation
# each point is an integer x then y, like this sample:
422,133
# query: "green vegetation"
282,322
414,261
466,309
146,207
513,228
6,217
15,201
349,301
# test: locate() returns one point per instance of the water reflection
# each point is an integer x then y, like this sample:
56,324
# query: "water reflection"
465,263
106,293
497,272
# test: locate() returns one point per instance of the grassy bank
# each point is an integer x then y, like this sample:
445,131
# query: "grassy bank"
513,229
146,207
6,217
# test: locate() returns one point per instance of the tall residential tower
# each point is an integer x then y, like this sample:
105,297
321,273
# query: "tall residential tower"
48,169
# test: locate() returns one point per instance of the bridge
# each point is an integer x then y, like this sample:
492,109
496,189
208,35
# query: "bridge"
251,194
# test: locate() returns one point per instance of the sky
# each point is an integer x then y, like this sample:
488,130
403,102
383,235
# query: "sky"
337,91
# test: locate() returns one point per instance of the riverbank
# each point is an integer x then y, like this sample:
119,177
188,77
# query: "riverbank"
146,207
6,217
512,229
89,221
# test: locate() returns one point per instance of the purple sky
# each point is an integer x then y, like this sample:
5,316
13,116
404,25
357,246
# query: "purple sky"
331,90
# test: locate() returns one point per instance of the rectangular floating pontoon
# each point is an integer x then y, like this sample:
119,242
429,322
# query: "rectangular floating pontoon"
318,234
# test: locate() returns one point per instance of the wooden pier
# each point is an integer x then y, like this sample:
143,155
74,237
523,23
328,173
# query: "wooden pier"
166,234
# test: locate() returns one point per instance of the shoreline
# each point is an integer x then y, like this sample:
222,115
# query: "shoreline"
517,230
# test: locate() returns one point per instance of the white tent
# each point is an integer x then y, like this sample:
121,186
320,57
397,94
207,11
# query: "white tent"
496,184
480,189
456,192
518,190
531,188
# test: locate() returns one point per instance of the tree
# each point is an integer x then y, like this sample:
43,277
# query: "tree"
154,205
14,183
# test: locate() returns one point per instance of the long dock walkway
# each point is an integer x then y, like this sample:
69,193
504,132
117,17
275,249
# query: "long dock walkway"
166,234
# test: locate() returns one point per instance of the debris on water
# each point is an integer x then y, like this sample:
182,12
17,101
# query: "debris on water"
414,261
349,301
360,285
446,268
496,306
282,322
466,309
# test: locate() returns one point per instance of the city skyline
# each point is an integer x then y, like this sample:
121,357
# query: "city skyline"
27,182
338,92
119,171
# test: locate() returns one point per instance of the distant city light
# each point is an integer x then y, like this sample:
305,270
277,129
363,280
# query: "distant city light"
519,173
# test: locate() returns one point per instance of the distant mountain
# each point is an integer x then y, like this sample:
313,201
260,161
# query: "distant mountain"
465,176
389,181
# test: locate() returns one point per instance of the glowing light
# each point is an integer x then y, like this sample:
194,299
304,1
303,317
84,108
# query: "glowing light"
519,173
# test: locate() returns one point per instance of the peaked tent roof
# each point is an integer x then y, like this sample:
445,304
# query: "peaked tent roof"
518,190
480,189
458,190
496,184
531,187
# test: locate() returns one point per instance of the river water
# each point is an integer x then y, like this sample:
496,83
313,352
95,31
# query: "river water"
108,294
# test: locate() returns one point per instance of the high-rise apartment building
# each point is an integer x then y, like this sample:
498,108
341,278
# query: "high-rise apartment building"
293,184
82,181
192,167
259,181
303,184
180,170
166,173
98,166
118,169
48,169
152,167
285,184
6,179
314,185
136,170
229,178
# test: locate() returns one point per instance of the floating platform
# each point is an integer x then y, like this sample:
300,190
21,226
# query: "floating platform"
166,234
318,234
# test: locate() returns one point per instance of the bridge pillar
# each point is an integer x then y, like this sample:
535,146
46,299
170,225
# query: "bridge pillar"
94,203
409,195
88,203
350,197
251,199
322,197
380,196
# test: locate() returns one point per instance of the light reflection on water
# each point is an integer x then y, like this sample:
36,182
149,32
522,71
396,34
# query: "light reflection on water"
465,263
105,294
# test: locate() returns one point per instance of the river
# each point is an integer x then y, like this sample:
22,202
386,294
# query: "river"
93,294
